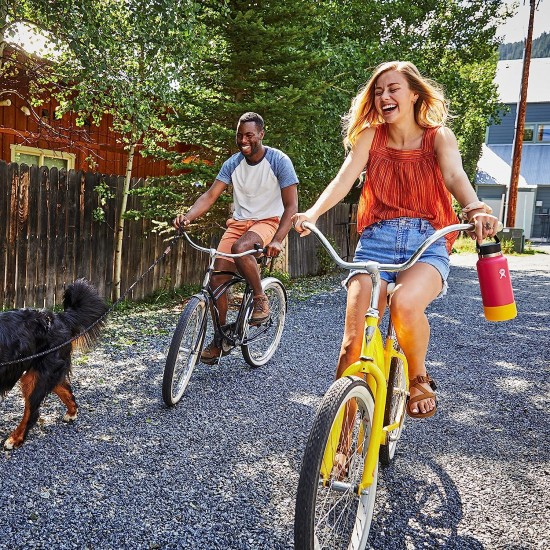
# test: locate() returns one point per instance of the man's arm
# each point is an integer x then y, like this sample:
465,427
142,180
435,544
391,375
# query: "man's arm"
289,196
202,205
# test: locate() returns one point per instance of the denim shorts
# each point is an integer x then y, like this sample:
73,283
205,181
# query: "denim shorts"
395,241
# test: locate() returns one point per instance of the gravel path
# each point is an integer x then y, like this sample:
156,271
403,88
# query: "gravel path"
220,469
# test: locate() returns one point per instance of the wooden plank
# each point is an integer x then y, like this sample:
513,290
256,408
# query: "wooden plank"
172,261
51,272
60,221
97,265
22,233
42,234
148,246
32,237
87,185
73,209
132,262
126,273
110,211
99,237
4,226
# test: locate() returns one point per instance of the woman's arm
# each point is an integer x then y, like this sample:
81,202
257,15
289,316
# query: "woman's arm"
339,187
456,181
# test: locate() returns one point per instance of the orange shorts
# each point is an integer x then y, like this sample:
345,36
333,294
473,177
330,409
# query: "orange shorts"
265,229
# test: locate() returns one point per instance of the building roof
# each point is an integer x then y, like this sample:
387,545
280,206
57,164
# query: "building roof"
494,166
508,80
492,169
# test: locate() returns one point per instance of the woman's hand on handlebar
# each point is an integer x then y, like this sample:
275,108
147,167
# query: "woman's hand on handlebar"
181,221
485,226
298,219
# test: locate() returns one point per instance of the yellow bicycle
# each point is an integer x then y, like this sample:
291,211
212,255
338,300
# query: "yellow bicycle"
334,505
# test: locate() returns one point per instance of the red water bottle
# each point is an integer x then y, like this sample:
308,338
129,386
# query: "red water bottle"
494,281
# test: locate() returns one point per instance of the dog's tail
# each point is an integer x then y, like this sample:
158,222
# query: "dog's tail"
83,307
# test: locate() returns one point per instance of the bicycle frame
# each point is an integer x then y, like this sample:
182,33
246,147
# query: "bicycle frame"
374,362
212,295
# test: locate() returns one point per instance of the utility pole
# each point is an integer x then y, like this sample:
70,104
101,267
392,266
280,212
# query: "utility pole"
520,121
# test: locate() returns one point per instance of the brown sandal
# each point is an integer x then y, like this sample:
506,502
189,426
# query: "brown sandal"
425,394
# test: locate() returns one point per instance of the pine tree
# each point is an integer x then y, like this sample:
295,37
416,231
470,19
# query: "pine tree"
514,50
257,61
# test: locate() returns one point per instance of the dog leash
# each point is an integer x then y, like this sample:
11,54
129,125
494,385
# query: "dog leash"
99,319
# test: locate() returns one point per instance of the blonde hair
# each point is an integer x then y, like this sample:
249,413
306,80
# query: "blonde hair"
430,108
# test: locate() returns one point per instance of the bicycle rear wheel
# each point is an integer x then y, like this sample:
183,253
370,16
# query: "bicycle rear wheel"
185,349
396,401
261,342
329,513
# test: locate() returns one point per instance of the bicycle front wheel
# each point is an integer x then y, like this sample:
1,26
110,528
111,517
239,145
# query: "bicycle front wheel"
185,349
396,401
329,512
260,342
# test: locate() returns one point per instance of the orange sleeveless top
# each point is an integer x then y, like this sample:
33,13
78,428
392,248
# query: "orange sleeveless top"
405,184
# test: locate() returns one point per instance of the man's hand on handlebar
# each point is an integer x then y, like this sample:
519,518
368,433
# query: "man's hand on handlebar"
181,221
273,248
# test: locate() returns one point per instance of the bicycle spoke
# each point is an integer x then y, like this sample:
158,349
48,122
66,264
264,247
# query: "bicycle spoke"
184,350
341,518
261,341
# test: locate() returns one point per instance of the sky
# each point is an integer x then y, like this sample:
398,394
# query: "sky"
516,27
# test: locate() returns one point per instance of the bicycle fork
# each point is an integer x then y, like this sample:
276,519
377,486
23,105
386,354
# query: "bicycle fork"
372,355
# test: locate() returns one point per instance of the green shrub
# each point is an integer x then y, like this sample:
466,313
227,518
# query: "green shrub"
283,276
326,263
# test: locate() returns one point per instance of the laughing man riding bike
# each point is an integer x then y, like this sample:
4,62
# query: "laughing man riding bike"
265,198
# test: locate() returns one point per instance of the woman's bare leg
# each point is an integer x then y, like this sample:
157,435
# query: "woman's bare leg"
419,286
359,291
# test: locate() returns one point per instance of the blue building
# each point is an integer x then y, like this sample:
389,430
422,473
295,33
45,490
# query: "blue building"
494,167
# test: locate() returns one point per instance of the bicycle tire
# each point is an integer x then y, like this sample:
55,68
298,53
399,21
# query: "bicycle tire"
185,349
325,517
396,401
261,341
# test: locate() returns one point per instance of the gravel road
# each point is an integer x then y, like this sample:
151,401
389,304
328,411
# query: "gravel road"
220,469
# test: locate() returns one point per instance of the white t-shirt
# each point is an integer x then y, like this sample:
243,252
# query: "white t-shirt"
257,186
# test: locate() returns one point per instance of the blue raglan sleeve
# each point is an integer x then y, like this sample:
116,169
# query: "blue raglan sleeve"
283,169
227,169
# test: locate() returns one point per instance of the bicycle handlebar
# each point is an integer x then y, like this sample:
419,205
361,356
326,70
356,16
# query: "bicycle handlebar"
373,267
214,252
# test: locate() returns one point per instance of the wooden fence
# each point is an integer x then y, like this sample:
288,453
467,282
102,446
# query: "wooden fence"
49,237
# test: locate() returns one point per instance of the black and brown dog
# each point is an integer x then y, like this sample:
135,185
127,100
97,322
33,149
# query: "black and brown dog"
26,332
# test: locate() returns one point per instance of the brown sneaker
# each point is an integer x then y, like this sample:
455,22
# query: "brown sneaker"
260,310
210,354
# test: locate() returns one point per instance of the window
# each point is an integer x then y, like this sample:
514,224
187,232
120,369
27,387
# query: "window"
21,154
543,133
528,132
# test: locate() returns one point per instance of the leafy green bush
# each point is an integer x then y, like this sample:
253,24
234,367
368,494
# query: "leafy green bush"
283,276
326,263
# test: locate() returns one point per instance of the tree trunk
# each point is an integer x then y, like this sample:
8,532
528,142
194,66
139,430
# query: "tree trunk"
120,224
